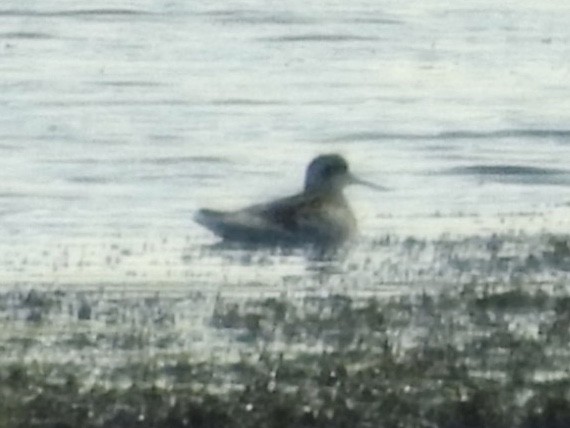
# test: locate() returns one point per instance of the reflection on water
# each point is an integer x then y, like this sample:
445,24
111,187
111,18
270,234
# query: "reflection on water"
117,122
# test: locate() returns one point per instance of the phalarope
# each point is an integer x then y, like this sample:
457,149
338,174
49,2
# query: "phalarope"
319,215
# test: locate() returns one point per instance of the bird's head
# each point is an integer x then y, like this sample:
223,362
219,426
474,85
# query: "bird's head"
330,173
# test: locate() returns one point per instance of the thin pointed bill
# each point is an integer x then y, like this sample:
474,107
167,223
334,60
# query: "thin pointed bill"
352,179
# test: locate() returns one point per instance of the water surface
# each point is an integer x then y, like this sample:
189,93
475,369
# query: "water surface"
117,121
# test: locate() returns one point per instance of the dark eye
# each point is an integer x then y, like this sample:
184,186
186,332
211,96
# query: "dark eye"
338,169
329,169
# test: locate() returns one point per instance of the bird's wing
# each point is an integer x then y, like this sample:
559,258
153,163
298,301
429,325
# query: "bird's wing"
291,215
284,220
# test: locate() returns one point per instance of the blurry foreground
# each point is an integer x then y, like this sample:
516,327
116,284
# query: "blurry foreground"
469,332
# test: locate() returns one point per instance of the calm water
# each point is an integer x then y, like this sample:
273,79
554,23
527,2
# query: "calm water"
118,120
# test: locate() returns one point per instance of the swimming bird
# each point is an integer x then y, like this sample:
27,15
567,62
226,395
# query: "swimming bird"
319,215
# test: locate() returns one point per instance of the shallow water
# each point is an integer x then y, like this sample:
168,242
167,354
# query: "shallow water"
118,121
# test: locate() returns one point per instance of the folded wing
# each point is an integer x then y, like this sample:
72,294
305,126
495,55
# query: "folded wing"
290,220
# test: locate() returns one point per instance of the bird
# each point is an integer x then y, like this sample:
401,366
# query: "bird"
319,215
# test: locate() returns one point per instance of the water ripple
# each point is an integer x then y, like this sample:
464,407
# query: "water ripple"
176,160
164,160
456,135
514,174
25,35
247,102
253,17
130,83
78,12
318,38
372,20
505,170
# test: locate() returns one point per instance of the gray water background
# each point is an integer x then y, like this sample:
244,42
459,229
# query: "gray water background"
119,119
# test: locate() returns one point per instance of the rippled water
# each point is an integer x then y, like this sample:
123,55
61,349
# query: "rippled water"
119,120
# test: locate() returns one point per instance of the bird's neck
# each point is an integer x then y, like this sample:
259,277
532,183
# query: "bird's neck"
330,191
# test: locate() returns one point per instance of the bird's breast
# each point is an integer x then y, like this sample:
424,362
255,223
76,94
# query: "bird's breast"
328,221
